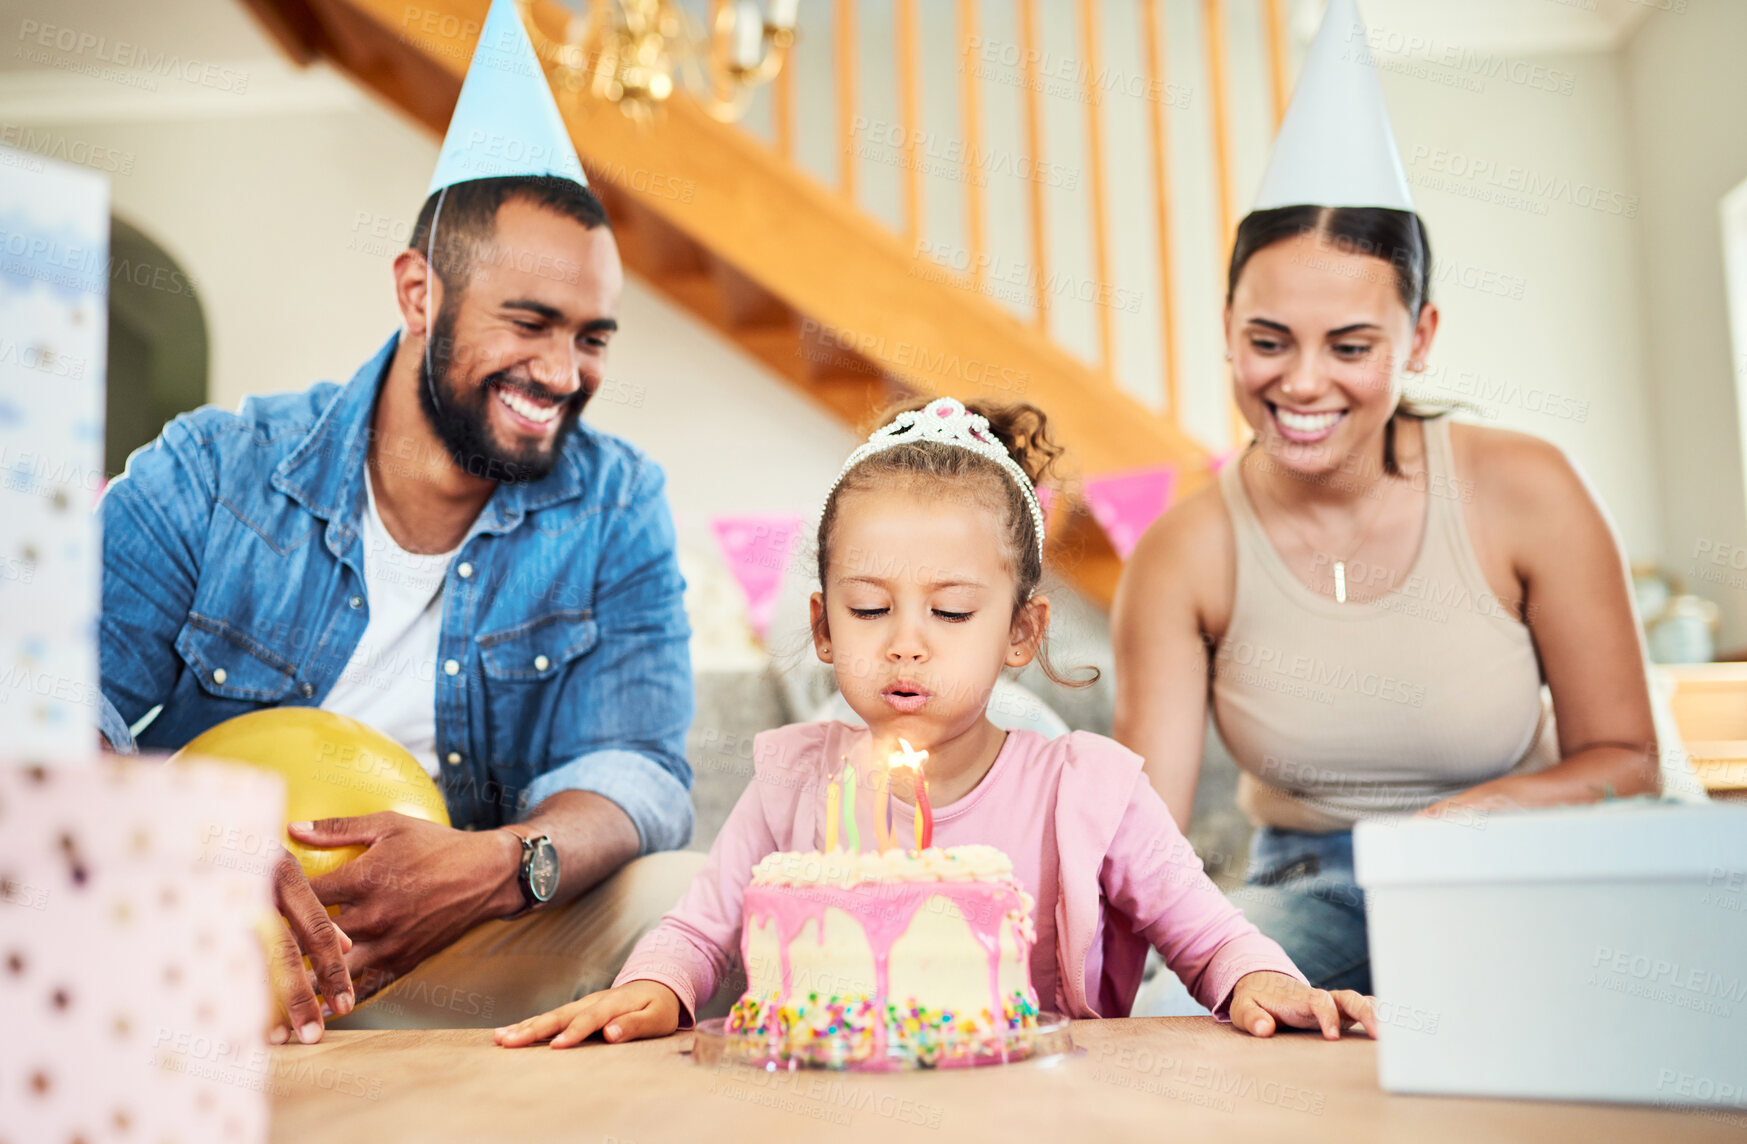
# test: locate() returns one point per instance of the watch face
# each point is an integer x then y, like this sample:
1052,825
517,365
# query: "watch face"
543,870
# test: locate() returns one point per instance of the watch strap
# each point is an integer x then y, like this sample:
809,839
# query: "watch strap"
524,869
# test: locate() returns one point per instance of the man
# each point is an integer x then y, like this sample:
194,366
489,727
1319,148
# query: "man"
442,550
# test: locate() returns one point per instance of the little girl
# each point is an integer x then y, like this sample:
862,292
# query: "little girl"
930,553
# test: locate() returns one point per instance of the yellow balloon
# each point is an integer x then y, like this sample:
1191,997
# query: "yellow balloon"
333,766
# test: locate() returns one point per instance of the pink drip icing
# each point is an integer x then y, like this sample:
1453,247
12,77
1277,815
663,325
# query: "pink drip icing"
884,911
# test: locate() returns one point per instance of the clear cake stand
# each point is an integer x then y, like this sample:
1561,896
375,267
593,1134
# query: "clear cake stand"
715,1046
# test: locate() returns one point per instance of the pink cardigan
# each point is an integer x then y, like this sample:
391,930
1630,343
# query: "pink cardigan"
1124,877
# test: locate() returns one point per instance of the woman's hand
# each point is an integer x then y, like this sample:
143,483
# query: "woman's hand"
1471,807
634,1010
1264,999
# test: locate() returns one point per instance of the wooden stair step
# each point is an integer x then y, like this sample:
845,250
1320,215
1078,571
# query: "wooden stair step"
747,303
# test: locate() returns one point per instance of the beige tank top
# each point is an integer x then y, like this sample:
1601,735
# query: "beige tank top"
1337,712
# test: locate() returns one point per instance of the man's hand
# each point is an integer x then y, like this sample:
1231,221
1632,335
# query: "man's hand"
634,1010
416,888
305,928
1264,999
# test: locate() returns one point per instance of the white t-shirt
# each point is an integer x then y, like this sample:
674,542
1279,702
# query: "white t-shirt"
391,680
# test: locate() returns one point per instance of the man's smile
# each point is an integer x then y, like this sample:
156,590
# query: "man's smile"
537,416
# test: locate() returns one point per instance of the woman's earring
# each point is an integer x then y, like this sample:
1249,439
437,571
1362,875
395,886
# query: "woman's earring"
1227,355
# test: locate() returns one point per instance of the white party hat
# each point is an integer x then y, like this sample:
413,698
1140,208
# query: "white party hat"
1335,147
506,121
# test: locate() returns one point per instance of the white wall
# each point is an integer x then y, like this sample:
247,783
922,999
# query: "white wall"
1687,93
272,218
1543,297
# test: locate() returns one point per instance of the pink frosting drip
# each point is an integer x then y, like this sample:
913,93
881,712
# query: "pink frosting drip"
884,911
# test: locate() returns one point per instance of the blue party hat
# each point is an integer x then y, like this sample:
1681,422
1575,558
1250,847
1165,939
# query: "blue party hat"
506,121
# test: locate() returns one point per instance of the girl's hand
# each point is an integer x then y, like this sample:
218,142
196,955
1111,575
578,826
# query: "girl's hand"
634,1010
1263,999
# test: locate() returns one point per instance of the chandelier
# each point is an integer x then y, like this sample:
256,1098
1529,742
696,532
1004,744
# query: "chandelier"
628,52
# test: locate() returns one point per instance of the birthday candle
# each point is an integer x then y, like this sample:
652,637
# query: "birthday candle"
882,818
891,838
831,796
924,813
924,821
850,831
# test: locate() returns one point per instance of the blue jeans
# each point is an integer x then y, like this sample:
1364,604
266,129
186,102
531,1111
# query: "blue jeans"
1300,892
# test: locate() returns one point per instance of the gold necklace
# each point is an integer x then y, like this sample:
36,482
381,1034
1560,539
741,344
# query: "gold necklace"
1340,566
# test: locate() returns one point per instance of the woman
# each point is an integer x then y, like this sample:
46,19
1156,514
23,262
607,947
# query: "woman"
1370,598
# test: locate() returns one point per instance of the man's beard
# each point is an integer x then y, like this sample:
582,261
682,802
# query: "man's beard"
461,418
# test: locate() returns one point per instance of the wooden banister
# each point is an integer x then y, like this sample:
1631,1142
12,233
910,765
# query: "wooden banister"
1274,36
782,107
850,157
1095,183
909,99
1159,153
970,111
1034,145
1213,28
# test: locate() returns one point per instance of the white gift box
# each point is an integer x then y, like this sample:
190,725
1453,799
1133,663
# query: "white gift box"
1582,953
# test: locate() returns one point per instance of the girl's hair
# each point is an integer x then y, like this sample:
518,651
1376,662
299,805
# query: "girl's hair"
1397,237
933,466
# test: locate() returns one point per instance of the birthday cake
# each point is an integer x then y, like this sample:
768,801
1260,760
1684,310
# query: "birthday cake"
918,957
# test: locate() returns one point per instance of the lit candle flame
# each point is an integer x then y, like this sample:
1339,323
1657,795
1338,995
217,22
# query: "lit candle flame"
908,757
912,758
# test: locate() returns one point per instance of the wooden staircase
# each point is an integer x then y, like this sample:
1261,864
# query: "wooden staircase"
801,279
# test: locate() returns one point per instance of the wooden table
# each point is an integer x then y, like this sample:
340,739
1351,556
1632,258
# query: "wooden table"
1181,1078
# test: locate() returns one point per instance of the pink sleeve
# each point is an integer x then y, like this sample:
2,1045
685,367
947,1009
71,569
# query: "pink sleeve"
696,941
1152,875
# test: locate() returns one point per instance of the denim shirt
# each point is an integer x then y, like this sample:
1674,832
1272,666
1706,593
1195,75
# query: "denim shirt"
233,580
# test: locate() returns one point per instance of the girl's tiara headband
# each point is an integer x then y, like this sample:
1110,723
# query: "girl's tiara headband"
946,421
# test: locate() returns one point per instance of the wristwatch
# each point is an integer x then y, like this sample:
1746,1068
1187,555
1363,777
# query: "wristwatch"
538,876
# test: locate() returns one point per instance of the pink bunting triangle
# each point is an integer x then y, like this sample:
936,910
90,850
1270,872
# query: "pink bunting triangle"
757,549
1124,504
